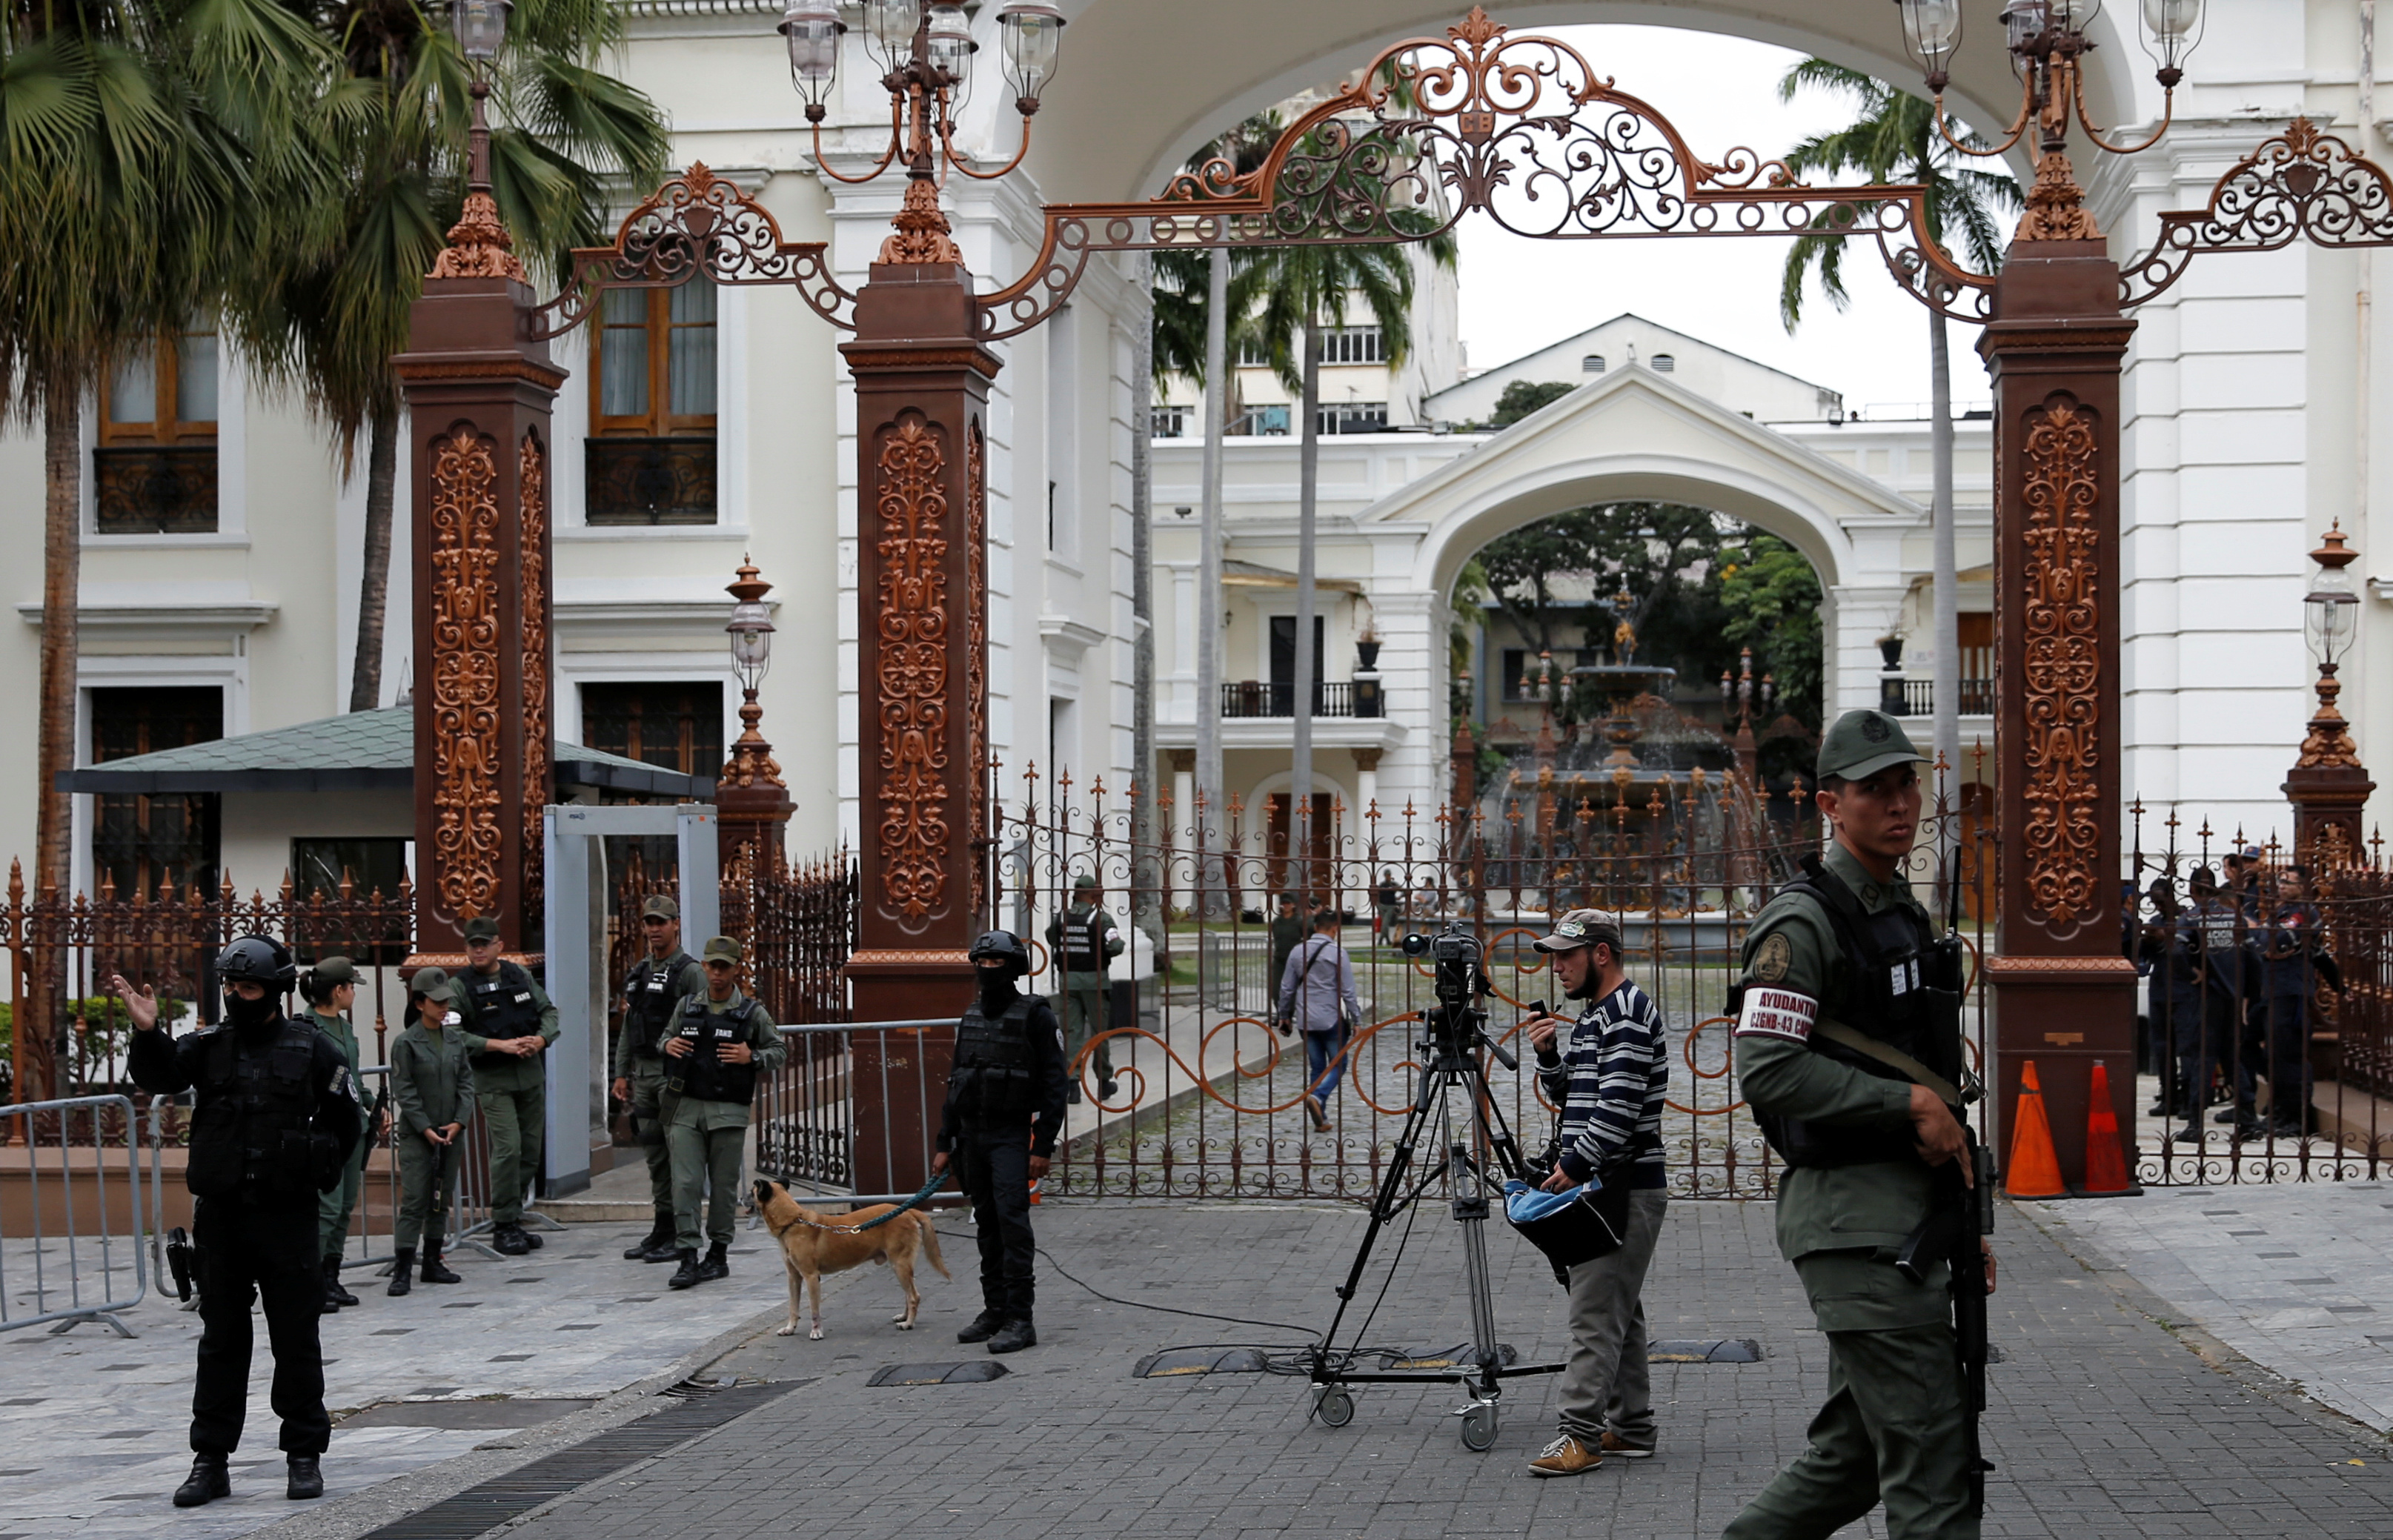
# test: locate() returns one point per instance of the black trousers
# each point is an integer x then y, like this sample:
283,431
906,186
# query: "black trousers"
250,1253
993,1167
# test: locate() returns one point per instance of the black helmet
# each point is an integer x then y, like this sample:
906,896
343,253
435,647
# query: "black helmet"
257,960
1006,945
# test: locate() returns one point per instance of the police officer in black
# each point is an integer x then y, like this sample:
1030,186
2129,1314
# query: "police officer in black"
1004,1109
272,1125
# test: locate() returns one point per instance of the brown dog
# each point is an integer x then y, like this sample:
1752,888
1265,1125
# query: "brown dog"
813,1244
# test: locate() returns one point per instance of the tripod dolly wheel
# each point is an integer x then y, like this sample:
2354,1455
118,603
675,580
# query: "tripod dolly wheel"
1334,1406
1479,1426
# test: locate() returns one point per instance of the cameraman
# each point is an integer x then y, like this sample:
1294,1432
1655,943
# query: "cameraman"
1609,1081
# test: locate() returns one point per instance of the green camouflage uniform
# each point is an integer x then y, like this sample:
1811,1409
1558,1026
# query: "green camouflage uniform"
431,1086
681,976
514,1094
707,1139
333,1208
1081,992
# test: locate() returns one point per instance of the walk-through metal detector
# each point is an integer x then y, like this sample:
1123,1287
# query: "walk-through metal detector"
578,891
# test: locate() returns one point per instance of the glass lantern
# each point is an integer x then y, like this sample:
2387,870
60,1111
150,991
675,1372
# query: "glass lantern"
1034,36
481,27
813,28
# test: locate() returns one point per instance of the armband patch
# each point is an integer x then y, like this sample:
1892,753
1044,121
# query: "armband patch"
1777,1013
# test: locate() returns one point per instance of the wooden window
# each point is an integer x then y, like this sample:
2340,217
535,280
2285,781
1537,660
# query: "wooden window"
674,726
137,841
154,469
1977,639
652,417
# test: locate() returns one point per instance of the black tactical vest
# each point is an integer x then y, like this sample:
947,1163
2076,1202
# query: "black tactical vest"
702,1076
995,1076
1901,985
1084,942
650,1003
253,1134
499,1005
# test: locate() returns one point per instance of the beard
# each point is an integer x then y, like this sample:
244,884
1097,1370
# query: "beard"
1585,988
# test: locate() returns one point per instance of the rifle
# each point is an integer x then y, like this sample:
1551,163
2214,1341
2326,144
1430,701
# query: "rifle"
1957,1218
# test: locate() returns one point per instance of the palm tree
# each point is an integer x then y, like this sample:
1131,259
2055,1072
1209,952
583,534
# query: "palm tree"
339,311
1893,137
144,148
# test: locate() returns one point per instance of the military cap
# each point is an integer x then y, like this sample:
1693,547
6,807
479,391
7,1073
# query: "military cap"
722,948
481,928
1580,928
1861,744
1085,882
428,981
334,970
658,907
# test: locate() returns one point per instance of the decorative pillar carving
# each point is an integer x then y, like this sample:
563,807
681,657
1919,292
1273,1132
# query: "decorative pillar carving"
2063,995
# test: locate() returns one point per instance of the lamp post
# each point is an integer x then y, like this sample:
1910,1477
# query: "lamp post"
752,800
2328,785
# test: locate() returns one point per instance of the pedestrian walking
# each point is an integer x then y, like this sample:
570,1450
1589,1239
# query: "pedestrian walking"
653,999
1287,934
1389,899
330,990
1082,941
1848,1047
432,1083
997,1126
721,1043
273,1119
1317,995
1609,1079
509,1023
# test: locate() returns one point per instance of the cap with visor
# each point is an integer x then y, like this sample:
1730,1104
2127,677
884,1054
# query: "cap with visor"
1862,743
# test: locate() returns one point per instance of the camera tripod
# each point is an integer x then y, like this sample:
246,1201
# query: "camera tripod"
1454,1033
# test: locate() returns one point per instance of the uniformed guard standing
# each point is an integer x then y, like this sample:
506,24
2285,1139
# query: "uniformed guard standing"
1004,1109
1849,1052
331,990
2216,933
721,1043
652,998
509,1023
273,1123
2292,960
432,1080
1082,941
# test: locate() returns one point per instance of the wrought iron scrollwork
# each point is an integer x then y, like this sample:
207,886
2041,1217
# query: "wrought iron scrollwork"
697,225
1522,129
2300,185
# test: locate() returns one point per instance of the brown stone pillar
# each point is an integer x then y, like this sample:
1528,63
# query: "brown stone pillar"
478,400
2064,995
921,391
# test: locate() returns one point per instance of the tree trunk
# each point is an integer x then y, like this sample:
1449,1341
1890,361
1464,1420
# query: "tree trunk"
1946,688
1146,885
373,586
1299,805
54,810
1213,902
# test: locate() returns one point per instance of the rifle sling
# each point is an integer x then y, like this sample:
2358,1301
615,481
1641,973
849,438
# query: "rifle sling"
1891,1057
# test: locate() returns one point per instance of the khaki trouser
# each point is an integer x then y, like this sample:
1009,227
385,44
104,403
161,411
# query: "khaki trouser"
1607,1382
427,1180
707,1139
333,1208
647,1118
515,1115
1083,1010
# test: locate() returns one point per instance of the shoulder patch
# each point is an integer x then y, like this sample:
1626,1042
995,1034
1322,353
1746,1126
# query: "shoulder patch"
1777,1013
1776,955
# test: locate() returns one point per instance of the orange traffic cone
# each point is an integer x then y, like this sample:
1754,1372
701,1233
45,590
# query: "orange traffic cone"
2106,1162
2033,1171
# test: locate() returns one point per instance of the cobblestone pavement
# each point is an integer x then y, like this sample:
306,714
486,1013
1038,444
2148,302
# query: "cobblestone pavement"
93,1425
2104,1421
2290,1276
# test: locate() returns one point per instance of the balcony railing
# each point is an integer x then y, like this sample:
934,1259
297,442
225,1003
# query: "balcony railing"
153,489
1252,697
650,480
1977,697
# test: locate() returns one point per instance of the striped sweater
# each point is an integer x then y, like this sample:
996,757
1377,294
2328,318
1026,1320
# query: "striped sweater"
1610,1083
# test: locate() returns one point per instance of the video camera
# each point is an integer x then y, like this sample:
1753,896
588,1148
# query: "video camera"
1456,954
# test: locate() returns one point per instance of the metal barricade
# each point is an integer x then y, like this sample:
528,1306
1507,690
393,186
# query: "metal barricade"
807,1135
378,1193
70,1227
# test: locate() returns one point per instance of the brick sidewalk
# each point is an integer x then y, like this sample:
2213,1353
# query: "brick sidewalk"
2103,1422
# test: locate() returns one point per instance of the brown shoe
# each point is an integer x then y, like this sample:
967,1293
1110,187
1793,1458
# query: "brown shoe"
1320,1115
1614,1444
1564,1456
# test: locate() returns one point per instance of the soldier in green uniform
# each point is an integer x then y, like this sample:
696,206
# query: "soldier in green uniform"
432,1082
330,989
509,1023
652,998
1082,941
1837,977
721,1043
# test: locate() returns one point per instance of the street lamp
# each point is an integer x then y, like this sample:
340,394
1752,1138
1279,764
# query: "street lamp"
752,634
925,54
479,244
752,802
2048,43
2331,610
2328,785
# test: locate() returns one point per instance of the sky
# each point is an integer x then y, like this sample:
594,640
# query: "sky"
1519,294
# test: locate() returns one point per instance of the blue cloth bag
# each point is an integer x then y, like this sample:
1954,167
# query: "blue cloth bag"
1573,1227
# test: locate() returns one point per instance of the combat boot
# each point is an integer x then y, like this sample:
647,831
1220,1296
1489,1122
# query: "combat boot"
660,1233
307,1477
335,1295
509,1240
434,1270
402,1272
530,1237
1014,1336
664,1250
689,1274
209,1479
717,1263
983,1326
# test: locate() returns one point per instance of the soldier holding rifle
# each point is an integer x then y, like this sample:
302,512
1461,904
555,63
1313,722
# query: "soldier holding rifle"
1847,1043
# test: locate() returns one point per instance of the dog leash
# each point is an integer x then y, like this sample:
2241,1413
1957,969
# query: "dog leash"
938,1180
